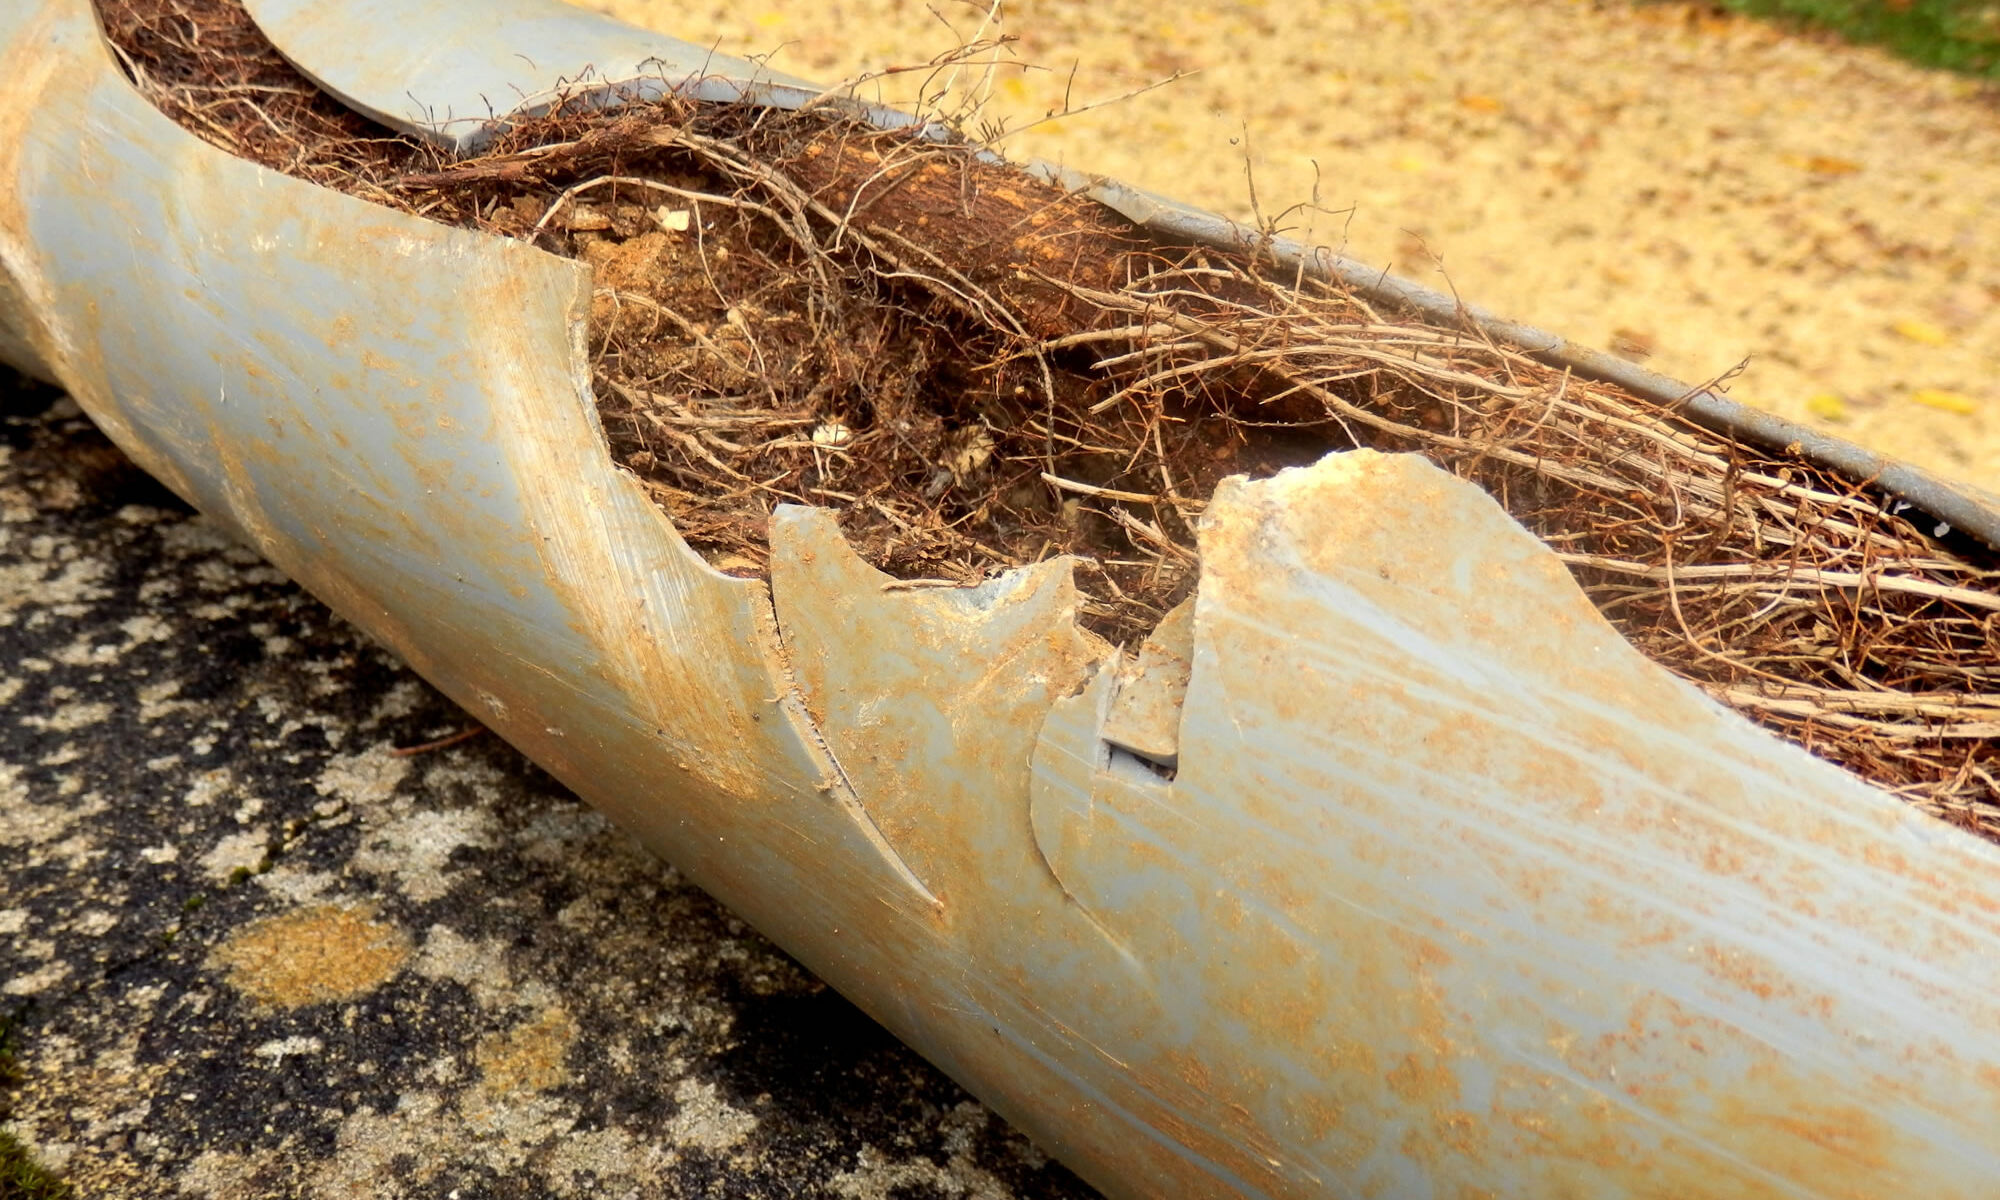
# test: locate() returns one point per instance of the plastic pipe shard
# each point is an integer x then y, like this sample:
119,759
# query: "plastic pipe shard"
1144,718
457,73
1530,911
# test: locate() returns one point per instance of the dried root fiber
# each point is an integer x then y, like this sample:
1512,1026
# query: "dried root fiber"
976,370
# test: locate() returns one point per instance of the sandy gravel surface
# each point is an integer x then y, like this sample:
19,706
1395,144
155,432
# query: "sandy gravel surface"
1688,189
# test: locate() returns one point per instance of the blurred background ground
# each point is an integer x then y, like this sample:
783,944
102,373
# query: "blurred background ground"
1680,184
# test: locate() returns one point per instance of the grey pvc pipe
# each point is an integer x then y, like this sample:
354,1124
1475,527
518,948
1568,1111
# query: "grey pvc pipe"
1452,892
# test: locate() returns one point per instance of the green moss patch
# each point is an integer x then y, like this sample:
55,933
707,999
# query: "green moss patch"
21,1177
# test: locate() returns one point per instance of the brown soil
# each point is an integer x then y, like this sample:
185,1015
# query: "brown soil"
976,370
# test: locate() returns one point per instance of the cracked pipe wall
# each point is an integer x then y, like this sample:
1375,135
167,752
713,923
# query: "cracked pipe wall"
1451,888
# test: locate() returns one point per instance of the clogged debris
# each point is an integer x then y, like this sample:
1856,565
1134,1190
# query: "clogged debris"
1017,372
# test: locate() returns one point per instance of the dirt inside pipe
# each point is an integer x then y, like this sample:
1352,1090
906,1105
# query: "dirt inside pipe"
976,370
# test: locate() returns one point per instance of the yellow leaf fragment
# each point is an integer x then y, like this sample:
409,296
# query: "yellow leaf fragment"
1921,331
1946,401
1827,406
1822,164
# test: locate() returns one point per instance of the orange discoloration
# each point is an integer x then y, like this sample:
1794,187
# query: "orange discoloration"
528,1057
312,956
1420,1082
28,69
1815,1141
1989,1077
1739,969
1848,1132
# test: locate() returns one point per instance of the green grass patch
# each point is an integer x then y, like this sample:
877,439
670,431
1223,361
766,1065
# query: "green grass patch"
1955,35
21,1177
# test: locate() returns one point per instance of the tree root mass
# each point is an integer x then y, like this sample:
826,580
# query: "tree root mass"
976,370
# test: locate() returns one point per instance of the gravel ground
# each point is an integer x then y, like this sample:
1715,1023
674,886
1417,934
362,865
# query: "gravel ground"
1687,188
